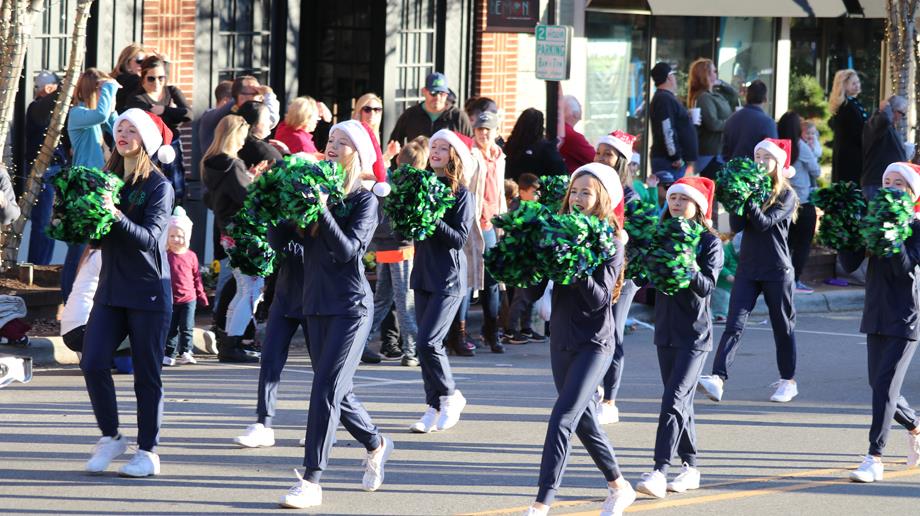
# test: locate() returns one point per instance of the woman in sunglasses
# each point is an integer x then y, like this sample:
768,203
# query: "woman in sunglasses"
167,102
369,109
128,73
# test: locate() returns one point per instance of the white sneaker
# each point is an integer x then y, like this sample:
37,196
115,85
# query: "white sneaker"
687,479
374,463
427,423
785,391
712,386
256,436
653,484
186,358
618,500
451,407
303,494
608,413
871,470
535,512
913,450
143,464
168,361
104,452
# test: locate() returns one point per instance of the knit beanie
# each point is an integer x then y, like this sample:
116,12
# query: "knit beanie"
180,220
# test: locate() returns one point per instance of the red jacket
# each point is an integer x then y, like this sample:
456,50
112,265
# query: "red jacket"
575,149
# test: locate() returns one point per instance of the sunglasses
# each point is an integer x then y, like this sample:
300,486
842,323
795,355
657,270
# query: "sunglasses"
152,79
369,109
139,60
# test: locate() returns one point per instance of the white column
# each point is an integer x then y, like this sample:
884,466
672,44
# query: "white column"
783,65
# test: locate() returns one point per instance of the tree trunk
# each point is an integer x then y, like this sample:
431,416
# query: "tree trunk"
13,237
22,16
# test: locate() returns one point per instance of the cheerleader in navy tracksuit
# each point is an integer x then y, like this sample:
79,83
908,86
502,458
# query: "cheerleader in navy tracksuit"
438,282
339,307
581,347
615,151
683,337
764,267
890,322
133,255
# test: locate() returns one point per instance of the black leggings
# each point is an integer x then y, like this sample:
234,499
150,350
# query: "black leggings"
801,233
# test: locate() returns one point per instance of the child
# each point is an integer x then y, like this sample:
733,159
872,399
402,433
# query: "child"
581,346
683,337
764,266
511,194
134,296
528,187
337,302
889,322
439,280
186,289
519,330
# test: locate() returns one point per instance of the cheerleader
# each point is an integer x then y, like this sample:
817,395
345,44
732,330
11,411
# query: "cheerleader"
683,337
581,347
764,267
134,296
615,151
339,307
438,281
890,323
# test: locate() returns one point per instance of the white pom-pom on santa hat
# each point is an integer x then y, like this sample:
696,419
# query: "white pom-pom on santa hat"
157,138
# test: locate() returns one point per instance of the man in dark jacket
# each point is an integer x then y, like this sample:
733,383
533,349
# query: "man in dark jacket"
432,115
674,144
881,143
748,126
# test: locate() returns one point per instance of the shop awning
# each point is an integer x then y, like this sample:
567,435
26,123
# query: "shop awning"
753,8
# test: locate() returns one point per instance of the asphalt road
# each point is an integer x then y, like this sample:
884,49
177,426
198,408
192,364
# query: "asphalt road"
756,457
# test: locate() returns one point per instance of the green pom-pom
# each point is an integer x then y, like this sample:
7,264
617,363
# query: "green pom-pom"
78,214
887,224
248,250
573,245
513,260
739,180
641,226
552,191
417,202
671,261
844,208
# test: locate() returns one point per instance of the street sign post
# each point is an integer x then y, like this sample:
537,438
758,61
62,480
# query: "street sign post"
554,52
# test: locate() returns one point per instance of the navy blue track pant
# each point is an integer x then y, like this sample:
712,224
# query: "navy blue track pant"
680,372
614,374
434,314
336,343
889,358
778,297
106,329
576,375
278,334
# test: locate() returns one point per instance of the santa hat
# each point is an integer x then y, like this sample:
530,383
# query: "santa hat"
622,142
610,180
911,174
781,150
156,136
369,154
463,146
700,189
180,220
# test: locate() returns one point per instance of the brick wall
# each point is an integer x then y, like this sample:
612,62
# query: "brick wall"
495,68
169,28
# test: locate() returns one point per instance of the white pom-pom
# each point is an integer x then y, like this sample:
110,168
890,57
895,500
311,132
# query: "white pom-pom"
381,189
788,172
166,154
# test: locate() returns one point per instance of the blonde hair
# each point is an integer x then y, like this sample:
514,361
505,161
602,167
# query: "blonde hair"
361,102
414,153
128,53
839,90
299,112
229,136
699,80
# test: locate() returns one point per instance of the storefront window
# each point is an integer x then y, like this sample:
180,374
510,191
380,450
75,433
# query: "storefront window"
747,52
680,40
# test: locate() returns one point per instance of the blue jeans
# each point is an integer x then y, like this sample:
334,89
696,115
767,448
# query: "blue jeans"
393,286
41,246
181,329
490,294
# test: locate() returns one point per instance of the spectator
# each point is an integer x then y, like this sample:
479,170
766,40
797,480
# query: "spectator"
432,115
805,163
674,145
245,88
369,109
128,73
881,143
714,112
476,105
38,118
9,209
299,121
527,150
257,150
223,93
848,117
749,125
166,101
575,149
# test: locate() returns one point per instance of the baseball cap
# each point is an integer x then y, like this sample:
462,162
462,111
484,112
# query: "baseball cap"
486,119
665,178
436,83
660,72
44,78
